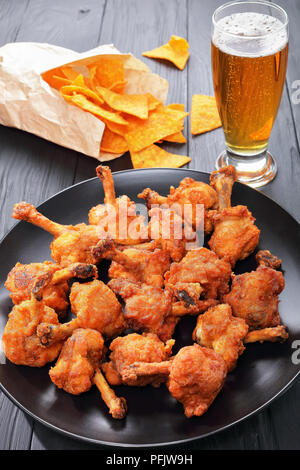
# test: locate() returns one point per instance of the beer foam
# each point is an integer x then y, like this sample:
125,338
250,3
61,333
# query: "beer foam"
250,34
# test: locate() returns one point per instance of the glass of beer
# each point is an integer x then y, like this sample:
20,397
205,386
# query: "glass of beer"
249,63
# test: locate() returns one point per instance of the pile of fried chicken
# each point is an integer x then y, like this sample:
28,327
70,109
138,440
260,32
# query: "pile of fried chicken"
158,281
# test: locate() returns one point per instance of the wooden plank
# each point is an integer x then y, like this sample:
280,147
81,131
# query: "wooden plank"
135,26
15,428
31,168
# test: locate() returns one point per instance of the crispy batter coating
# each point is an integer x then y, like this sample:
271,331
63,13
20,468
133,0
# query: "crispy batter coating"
136,348
95,306
235,236
146,307
78,359
219,330
77,368
199,273
117,213
134,264
71,244
20,342
21,279
195,377
254,297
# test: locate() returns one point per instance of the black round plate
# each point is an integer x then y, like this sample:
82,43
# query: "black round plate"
154,418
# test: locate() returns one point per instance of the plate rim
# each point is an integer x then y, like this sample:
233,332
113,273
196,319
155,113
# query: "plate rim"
158,444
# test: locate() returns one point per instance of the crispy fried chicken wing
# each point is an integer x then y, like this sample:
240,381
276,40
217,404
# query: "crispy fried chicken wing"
78,359
146,307
20,342
133,264
117,215
195,377
190,193
219,330
254,297
136,348
21,278
235,235
71,244
199,274
77,368
95,306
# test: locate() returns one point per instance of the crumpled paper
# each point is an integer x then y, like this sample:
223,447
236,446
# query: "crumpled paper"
27,102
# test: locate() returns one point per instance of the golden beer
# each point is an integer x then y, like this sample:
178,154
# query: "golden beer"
249,69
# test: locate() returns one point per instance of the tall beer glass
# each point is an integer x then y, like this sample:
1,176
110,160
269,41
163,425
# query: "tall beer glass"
249,62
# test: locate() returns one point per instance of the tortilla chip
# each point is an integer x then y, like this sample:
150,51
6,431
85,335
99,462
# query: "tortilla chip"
176,51
177,106
57,82
117,128
118,87
71,89
82,102
153,103
69,73
109,71
177,138
141,133
113,143
204,114
176,113
136,105
156,157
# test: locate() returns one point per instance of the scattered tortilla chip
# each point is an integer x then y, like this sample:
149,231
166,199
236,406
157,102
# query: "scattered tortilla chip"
71,89
204,114
156,157
82,102
153,103
177,106
177,138
176,51
144,133
113,143
176,113
136,105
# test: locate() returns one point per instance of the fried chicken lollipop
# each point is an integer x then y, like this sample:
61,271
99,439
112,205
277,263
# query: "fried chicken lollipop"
20,342
189,193
219,330
194,377
200,274
147,308
77,368
95,306
254,295
136,265
235,235
225,334
136,348
22,277
71,244
118,214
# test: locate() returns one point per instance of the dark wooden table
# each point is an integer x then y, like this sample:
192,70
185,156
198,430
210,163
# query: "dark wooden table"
32,169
